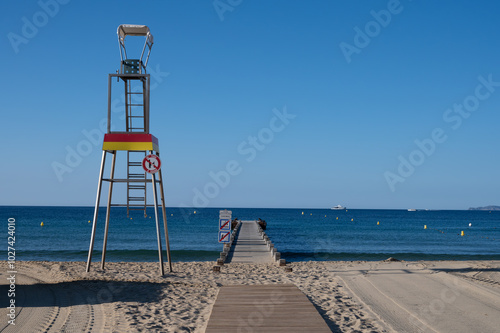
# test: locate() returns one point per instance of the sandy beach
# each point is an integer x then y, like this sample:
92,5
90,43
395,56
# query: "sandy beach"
384,296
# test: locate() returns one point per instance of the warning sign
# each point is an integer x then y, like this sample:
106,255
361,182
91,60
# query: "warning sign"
151,163
224,236
225,224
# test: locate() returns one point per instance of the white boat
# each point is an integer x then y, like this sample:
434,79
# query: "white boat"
338,207
412,210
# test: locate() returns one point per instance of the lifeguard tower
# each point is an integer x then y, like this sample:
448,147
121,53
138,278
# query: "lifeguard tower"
132,137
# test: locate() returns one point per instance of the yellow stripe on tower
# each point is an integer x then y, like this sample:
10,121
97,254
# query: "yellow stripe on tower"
130,146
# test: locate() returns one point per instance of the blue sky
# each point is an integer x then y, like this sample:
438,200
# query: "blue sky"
368,104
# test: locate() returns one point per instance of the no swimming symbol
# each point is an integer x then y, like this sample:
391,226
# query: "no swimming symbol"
224,236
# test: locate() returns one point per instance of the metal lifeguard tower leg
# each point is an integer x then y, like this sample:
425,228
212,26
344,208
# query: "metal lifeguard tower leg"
164,219
158,236
108,210
164,213
96,210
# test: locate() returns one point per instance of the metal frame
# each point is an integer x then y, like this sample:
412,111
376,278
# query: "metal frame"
111,181
123,50
145,78
123,31
96,210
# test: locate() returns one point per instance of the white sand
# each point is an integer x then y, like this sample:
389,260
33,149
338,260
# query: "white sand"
351,296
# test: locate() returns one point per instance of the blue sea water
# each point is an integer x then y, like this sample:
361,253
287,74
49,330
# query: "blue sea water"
299,234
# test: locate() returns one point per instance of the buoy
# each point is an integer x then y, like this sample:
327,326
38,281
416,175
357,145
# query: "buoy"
352,220
302,213
425,226
337,217
325,215
150,217
89,221
378,222
194,212
470,224
131,218
41,224
462,233
171,214
311,213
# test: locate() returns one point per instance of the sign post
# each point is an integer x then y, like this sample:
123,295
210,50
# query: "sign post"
225,226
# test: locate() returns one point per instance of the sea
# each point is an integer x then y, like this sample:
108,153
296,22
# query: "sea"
298,234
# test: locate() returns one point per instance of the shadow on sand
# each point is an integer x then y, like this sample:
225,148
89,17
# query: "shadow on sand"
80,292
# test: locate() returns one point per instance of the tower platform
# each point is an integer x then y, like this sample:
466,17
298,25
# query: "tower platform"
130,142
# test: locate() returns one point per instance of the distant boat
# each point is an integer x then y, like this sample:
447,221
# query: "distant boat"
338,207
412,210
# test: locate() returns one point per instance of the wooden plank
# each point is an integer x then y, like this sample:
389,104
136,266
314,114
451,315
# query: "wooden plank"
264,308
259,329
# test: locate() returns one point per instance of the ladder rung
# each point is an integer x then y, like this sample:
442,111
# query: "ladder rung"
137,188
132,205
136,116
135,104
122,180
135,93
136,199
134,163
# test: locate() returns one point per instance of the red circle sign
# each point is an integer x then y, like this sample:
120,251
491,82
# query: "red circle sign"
151,163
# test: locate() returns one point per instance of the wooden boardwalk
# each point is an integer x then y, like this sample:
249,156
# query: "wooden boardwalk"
249,246
264,308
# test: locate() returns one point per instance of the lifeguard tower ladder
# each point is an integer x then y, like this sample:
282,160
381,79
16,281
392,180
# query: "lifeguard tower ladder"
135,139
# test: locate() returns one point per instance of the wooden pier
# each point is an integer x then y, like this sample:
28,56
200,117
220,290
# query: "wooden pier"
250,245
260,308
